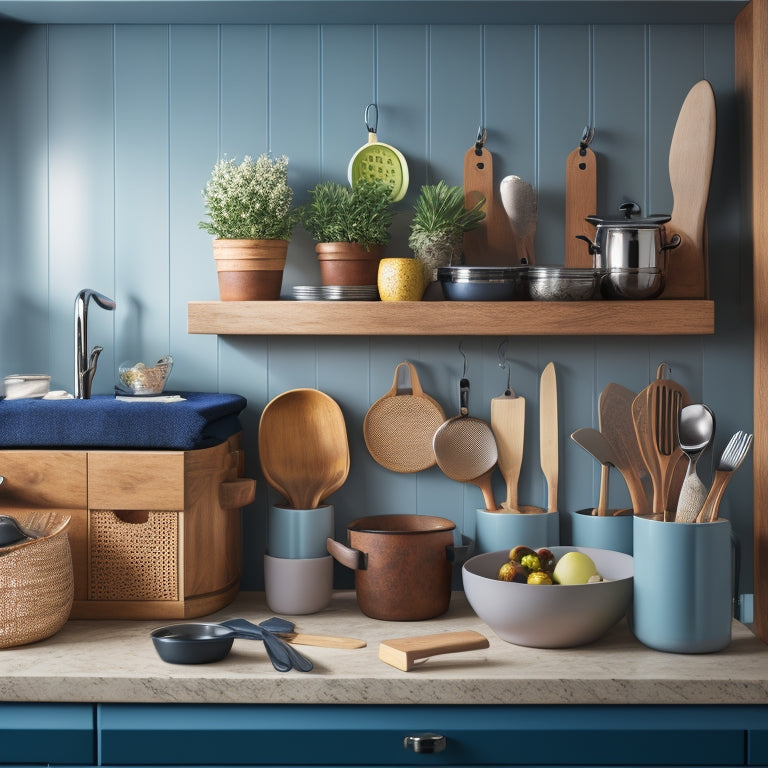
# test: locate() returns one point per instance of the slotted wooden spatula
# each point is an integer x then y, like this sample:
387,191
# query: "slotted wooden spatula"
690,169
655,412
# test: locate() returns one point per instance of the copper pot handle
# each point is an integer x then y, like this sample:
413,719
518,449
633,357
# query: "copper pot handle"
351,558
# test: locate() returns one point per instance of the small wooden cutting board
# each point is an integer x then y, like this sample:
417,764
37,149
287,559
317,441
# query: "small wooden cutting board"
580,202
403,653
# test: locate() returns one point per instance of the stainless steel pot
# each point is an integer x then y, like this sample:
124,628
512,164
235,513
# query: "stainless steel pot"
630,243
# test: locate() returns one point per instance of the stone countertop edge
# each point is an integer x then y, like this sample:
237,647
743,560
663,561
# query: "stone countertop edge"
101,661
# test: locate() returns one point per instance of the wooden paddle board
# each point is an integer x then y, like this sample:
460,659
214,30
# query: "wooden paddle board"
580,202
691,154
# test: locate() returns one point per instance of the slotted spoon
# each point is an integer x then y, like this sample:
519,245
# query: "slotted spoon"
730,460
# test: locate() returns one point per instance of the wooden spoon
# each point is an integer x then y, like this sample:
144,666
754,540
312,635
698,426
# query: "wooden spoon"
303,447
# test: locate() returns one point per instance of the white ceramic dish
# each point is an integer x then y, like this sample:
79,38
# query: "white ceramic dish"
26,385
553,616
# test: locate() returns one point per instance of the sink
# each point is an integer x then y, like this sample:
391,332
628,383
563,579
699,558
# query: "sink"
201,420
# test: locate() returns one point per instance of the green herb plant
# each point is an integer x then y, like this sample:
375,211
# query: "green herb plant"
440,220
250,201
340,214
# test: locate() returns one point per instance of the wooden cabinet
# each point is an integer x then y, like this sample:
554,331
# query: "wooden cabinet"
154,534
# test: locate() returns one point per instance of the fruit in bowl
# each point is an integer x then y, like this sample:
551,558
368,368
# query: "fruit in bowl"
556,616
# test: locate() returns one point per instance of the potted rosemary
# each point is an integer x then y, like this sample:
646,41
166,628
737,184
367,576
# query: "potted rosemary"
351,227
250,214
439,223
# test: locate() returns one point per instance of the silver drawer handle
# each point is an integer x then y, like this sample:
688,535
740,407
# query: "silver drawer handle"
425,743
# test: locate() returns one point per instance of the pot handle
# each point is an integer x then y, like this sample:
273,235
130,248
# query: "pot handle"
593,247
458,553
674,241
351,558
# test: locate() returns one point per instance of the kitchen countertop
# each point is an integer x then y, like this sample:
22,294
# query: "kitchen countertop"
115,661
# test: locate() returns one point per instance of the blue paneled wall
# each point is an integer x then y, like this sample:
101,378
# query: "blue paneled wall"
108,134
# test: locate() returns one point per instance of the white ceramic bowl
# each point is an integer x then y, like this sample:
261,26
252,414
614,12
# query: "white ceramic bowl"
544,616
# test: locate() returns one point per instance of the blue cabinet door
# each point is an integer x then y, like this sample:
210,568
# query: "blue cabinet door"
53,734
375,735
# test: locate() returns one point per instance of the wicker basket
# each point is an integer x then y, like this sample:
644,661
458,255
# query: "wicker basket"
36,581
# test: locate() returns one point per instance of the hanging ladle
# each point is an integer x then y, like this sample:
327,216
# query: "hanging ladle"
696,430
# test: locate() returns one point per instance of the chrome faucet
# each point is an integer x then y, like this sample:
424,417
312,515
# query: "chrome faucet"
85,364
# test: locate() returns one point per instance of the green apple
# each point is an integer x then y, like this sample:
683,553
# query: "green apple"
574,568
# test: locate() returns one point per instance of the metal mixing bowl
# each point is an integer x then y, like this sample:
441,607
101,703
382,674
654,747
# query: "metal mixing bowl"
563,283
627,283
483,283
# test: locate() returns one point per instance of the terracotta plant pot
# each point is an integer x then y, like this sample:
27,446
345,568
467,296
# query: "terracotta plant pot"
250,270
348,263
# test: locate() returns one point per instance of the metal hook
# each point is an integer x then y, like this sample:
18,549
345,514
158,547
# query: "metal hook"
372,125
505,366
586,139
466,362
480,140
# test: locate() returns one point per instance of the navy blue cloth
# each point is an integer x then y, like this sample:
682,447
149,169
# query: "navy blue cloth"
200,421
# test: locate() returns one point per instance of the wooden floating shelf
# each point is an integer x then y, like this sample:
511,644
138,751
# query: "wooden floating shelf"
452,318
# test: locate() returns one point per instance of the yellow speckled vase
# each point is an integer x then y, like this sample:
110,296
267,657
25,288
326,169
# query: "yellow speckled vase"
400,279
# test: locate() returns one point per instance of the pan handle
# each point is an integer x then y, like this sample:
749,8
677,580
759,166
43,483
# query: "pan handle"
351,558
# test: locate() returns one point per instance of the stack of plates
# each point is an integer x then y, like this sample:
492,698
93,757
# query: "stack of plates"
336,293
308,292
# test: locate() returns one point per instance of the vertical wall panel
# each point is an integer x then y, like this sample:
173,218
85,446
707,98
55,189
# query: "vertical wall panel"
81,217
141,193
564,110
24,339
194,141
455,98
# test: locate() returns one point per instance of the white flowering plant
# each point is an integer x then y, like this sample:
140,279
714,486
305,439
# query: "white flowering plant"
250,200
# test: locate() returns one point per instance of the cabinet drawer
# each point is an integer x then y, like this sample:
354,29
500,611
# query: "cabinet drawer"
43,479
136,480
61,734
343,735
757,747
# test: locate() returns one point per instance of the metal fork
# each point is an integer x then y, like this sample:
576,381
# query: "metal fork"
730,460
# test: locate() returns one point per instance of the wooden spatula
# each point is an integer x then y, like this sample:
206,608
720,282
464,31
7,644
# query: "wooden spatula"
490,244
615,420
548,425
690,169
508,425
580,201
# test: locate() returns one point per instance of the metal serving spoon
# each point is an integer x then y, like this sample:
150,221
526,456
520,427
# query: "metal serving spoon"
696,430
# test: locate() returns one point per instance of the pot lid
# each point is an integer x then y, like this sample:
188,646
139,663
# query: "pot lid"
630,210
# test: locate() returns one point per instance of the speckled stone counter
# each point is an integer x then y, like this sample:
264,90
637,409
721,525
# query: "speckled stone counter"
115,661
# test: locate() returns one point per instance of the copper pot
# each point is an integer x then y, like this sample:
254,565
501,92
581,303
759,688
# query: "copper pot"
402,565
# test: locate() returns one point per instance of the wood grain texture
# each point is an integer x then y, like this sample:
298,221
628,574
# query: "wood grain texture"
348,318
404,653
580,201
751,30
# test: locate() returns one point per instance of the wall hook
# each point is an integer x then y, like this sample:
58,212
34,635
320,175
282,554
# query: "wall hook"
480,140
466,362
586,139
504,364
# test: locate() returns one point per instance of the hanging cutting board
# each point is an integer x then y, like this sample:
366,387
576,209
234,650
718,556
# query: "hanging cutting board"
580,202
690,169
491,243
